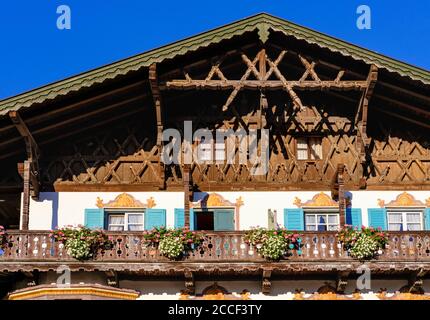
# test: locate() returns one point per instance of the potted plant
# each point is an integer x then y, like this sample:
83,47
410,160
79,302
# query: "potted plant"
364,243
173,243
81,242
274,244
3,240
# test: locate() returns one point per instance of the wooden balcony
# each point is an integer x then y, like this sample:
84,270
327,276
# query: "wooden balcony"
222,252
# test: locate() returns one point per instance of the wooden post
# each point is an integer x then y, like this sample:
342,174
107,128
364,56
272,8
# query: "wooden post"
341,186
186,179
26,197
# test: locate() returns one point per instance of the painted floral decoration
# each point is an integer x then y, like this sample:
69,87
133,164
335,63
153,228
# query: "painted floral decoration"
173,243
364,243
81,242
274,244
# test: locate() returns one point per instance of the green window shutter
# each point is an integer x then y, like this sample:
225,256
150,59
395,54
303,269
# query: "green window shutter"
427,219
378,218
353,217
294,219
224,220
155,218
94,218
179,218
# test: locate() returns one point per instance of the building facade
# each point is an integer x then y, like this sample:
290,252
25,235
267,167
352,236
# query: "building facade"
347,144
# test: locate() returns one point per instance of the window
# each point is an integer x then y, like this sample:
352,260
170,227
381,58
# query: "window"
125,221
321,221
210,150
309,148
214,219
405,219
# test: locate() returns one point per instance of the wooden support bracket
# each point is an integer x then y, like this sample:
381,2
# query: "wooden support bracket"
415,281
112,278
32,278
189,282
341,282
361,117
33,154
266,285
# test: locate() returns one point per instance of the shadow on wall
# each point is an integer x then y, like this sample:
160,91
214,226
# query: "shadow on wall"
53,198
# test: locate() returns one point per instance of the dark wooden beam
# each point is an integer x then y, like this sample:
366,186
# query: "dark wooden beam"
156,96
50,114
33,153
407,119
263,84
72,132
419,111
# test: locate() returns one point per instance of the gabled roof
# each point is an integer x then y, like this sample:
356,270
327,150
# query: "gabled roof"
261,22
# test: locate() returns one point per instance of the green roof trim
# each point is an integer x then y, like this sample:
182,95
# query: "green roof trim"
262,22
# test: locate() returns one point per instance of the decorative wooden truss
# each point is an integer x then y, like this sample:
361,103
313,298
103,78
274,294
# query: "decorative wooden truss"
319,200
125,200
258,68
404,199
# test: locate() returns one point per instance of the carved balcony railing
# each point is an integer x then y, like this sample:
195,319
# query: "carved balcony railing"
37,246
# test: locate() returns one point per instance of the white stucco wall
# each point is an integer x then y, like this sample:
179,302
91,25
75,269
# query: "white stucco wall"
63,208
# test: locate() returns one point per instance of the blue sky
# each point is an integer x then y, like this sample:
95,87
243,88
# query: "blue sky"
33,52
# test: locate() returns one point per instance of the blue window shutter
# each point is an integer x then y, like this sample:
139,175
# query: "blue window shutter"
378,218
353,217
155,218
179,218
224,220
193,221
94,218
427,219
294,219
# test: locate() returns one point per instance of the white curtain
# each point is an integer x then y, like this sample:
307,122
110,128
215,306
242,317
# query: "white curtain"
302,149
395,222
116,223
135,218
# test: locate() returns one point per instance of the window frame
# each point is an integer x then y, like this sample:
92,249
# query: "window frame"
327,211
308,139
213,148
404,222
125,213
213,209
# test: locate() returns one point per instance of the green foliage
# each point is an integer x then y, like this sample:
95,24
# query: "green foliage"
274,244
362,243
173,243
3,238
